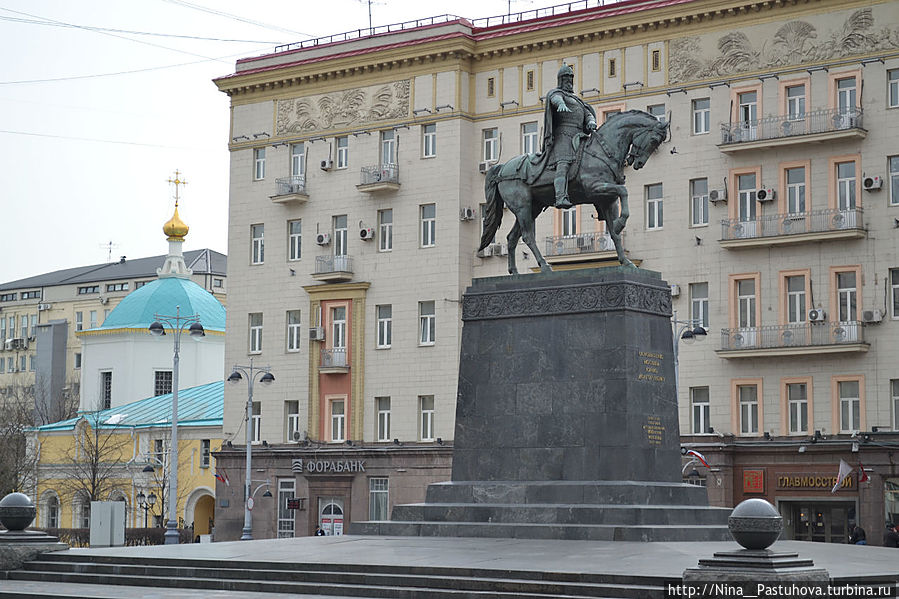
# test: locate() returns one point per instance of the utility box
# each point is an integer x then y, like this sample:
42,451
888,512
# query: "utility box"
107,523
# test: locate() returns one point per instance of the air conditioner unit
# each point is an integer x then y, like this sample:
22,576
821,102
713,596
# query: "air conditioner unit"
104,300
872,183
496,249
466,214
503,249
297,435
317,334
718,195
675,290
816,315
367,234
326,165
43,307
483,167
872,316
486,252
7,345
16,343
765,194
323,238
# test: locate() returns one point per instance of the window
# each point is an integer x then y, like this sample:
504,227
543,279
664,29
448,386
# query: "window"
257,234
746,317
491,144
699,303
105,390
747,114
491,87
797,407
293,330
429,140
656,60
377,499
569,221
850,406
385,230
796,102
338,420
10,365
529,138
382,405
22,365
2,328
388,147
139,284
255,345
894,291
205,453
294,239
37,294
259,164
257,422
8,297
529,80
749,409
893,88
699,204
746,206
846,185
796,299
894,392
292,414
162,382
93,315
77,360
31,362
286,516
340,235
88,289
699,399
117,287
427,323
297,160
426,405
847,297
79,321
894,180
2,365
385,325
428,225
343,151
218,283
612,70
795,178
106,312
52,517
338,327
658,111
847,96
654,206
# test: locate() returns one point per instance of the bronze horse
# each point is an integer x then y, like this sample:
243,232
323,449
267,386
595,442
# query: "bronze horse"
625,139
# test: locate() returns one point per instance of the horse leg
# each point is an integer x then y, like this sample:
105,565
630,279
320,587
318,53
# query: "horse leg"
528,233
606,214
625,212
512,240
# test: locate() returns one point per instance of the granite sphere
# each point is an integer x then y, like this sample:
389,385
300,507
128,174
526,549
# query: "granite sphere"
17,511
755,524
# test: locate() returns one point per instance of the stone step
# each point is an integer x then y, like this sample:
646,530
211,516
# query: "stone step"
558,513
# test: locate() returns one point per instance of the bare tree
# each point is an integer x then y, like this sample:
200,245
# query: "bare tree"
158,480
93,462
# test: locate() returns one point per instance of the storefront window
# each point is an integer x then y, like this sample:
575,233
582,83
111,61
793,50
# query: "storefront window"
891,499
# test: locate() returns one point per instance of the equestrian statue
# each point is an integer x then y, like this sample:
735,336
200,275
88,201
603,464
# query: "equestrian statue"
578,164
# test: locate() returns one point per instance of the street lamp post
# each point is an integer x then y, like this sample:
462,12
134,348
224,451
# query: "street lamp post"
690,330
146,502
266,378
176,324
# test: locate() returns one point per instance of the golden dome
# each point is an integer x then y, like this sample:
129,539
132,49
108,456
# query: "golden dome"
175,228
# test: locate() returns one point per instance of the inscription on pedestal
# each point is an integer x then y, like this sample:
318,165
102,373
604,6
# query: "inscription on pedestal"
650,365
655,430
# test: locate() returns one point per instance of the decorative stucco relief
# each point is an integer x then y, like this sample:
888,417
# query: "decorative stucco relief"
793,43
348,108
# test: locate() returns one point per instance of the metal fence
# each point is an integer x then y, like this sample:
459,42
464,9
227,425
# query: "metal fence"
774,225
384,173
774,127
334,357
793,335
578,244
326,264
292,184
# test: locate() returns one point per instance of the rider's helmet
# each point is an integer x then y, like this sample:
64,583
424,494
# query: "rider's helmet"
565,71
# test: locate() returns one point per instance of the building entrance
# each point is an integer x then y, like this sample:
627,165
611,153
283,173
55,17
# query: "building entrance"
330,510
824,522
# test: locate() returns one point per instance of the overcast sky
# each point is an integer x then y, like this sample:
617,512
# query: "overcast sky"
96,114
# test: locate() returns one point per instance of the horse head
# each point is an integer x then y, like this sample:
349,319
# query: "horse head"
645,141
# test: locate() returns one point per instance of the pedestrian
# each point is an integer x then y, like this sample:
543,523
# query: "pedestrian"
319,532
858,536
890,536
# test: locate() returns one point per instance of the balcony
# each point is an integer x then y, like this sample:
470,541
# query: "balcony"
793,339
333,269
334,361
819,125
384,177
578,248
783,229
290,190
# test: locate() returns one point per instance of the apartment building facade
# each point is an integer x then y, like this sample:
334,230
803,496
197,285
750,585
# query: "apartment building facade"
356,196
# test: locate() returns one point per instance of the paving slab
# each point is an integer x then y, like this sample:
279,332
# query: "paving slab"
39,590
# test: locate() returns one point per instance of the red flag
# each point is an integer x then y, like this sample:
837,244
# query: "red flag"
862,475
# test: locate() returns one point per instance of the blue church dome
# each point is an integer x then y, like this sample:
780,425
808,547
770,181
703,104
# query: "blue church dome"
137,310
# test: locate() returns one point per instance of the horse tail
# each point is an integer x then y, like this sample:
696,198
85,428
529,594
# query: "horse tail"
494,215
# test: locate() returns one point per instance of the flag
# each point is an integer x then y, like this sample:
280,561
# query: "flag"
223,477
845,470
862,475
698,456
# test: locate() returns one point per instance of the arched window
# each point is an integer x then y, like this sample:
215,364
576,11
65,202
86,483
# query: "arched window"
50,510
81,511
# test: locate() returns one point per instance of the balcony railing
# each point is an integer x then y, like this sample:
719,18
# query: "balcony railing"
584,243
289,185
775,127
776,225
334,358
793,336
332,264
384,173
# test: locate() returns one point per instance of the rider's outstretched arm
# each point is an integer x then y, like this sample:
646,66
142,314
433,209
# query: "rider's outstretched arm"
558,101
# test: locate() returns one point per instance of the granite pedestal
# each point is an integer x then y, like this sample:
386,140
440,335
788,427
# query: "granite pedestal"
566,417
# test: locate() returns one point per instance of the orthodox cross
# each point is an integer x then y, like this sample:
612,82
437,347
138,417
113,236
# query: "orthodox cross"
177,182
